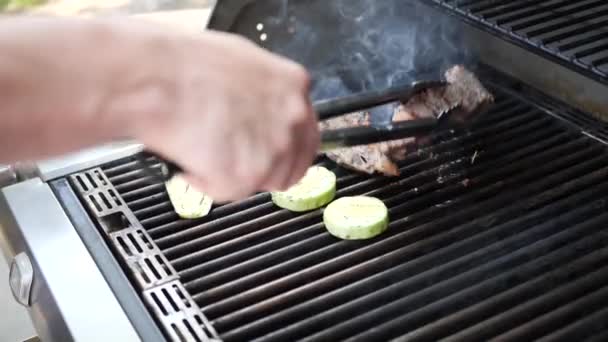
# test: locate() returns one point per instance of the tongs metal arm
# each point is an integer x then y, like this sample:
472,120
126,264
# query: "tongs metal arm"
364,135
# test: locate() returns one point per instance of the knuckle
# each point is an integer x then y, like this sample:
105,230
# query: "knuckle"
257,175
297,109
280,135
296,75
238,39
219,191
301,76
243,174
281,149
275,183
297,175
314,143
282,143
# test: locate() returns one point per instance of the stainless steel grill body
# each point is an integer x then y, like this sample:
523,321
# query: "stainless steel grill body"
34,224
498,232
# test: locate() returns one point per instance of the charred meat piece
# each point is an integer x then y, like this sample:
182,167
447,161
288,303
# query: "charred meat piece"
463,91
365,158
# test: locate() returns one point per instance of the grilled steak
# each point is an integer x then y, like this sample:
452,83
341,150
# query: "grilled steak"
463,91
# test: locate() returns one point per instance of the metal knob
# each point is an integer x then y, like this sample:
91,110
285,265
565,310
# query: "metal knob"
21,277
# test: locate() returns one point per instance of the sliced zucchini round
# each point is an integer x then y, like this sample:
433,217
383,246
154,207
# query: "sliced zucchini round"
314,190
356,218
187,202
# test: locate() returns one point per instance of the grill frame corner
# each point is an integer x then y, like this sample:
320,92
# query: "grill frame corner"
158,281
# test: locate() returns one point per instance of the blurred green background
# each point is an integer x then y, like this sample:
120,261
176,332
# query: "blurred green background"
15,5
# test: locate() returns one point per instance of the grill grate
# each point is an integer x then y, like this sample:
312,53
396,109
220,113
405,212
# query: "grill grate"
496,233
573,31
149,269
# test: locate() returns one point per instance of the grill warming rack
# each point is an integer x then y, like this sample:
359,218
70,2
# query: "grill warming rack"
495,232
573,32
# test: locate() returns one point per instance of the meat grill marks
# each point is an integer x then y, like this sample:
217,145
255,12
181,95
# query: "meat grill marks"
365,158
464,92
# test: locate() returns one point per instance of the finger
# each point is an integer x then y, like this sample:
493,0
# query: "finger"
201,174
268,153
306,132
297,167
220,169
277,143
307,148
278,177
283,143
212,184
198,183
249,164
202,185
290,163
219,190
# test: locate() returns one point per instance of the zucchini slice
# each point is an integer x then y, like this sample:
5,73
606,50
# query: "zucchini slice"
187,202
314,190
356,218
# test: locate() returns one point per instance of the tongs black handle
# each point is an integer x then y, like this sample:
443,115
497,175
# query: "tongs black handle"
355,136
327,109
364,135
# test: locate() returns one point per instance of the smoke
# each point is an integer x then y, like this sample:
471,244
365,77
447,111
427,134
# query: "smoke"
350,46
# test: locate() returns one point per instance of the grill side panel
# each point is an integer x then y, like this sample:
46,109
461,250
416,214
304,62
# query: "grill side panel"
162,292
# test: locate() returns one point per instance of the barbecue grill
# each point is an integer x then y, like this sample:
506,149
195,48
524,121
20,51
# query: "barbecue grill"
498,231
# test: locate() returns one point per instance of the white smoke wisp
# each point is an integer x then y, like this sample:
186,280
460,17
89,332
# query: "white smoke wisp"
351,46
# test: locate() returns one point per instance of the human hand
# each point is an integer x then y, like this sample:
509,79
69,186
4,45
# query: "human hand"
235,117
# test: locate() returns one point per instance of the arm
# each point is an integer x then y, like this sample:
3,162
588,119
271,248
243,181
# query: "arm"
60,81
210,102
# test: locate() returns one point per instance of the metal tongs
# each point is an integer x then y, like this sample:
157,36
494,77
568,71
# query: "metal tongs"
352,136
364,135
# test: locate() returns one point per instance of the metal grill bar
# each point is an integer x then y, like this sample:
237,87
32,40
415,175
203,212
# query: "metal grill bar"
587,326
440,159
421,190
548,297
438,241
240,271
342,290
483,290
498,232
187,234
535,290
184,226
574,31
588,304
411,209
247,253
